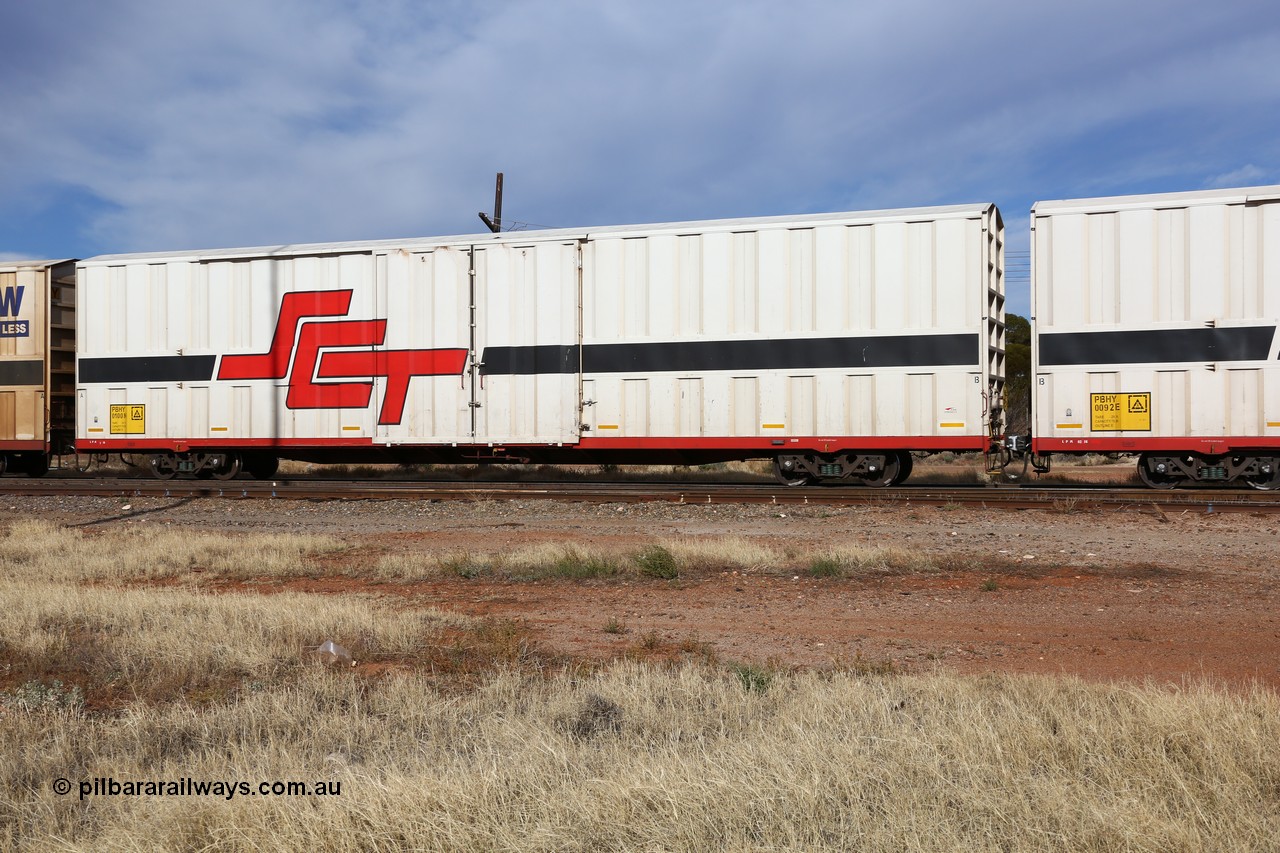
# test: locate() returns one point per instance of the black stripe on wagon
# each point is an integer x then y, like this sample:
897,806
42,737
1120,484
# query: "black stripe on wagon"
1245,343
22,372
147,368
775,354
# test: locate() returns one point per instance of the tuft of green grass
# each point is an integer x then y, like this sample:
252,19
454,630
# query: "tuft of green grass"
465,566
577,565
657,562
753,677
871,561
826,567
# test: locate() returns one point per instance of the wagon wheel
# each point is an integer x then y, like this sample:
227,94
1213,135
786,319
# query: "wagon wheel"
792,476
260,466
891,474
1268,477
37,465
230,467
905,464
163,466
1156,479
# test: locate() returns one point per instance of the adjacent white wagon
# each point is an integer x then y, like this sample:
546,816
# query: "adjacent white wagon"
1155,321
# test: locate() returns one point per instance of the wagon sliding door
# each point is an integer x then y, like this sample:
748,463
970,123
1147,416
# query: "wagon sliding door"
424,394
528,343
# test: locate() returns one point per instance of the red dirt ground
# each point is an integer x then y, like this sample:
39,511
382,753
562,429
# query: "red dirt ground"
1116,594
1146,623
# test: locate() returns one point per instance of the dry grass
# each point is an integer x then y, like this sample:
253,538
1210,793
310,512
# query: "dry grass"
38,549
156,644
662,559
635,757
533,562
69,615
527,754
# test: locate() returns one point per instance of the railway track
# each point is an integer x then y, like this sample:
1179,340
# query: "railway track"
1004,496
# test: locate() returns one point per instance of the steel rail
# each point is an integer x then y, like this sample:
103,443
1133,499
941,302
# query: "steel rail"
1005,496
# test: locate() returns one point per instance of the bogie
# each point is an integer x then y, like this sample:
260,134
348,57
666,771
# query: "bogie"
872,468
1168,471
203,466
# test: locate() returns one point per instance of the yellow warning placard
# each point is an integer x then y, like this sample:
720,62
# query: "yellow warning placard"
1120,412
128,420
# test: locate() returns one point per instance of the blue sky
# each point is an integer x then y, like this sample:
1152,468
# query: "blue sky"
141,125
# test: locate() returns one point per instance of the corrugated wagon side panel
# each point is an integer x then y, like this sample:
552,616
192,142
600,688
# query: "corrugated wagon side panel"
890,284
1265,241
1139,296
957,279
789,313
8,414
22,416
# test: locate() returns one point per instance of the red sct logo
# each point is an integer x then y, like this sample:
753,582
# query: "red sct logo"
327,350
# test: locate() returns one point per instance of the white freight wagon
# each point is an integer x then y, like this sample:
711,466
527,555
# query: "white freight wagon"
834,344
1155,333
37,363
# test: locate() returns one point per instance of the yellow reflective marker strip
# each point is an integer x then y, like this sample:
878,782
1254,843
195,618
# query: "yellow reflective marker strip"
1069,426
952,425
773,426
357,429
217,429
606,426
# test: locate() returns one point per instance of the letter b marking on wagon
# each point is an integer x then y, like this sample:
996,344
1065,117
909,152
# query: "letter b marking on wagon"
305,352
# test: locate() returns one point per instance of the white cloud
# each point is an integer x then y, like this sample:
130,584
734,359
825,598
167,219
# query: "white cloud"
1246,175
